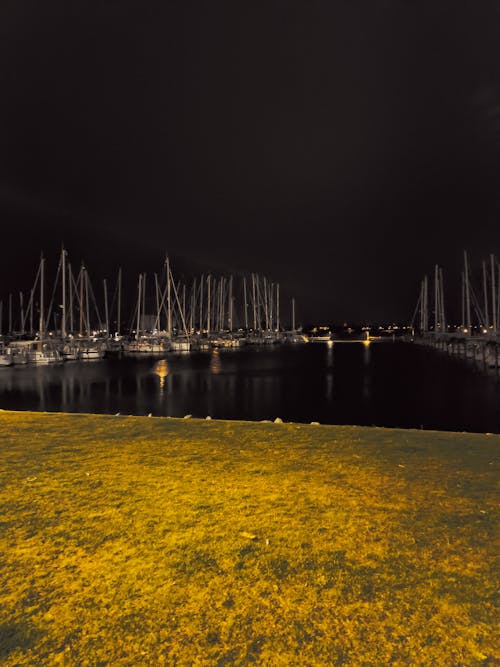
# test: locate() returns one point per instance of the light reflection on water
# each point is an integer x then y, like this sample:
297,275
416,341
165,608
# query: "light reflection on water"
215,362
384,384
161,370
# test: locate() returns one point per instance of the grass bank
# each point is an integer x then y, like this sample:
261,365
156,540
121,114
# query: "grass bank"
136,541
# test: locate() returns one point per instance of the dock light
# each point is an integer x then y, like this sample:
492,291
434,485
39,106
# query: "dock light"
329,343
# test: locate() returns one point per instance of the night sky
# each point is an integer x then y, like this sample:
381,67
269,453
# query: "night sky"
340,148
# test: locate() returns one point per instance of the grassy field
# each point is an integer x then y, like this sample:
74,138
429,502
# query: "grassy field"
136,541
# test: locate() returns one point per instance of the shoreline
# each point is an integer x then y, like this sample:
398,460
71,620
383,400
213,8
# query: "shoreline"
243,422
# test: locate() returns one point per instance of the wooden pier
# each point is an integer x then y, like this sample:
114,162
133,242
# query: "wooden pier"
483,349
477,338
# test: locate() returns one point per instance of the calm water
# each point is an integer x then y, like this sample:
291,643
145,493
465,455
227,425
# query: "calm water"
385,384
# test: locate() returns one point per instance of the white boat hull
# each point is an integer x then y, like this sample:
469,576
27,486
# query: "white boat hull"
138,348
43,359
91,355
19,359
181,346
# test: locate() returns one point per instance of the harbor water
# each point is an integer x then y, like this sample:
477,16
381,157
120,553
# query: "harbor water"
381,383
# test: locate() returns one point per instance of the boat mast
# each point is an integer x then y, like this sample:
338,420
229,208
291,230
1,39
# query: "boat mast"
278,307
157,325
467,293
179,306
71,288
143,321
216,303
106,312
259,304
293,314
437,323
193,306
80,278
271,306
254,303
426,304
21,307
139,295
230,304
223,311
209,279
32,296
42,305
423,306
485,298
184,301
245,299
441,295
463,300
220,309
10,314
493,295
87,309
266,311
63,276
201,304
497,295
169,301
118,316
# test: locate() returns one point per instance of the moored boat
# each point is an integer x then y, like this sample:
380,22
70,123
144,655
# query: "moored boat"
5,357
17,352
180,345
33,352
42,354
70,352
146,346
91,352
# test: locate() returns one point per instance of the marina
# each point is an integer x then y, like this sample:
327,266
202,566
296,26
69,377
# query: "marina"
381,383
74,324
222,347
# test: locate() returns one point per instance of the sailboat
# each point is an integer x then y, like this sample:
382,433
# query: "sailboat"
41,351
91,350
5,356
179,343
143,344
18,352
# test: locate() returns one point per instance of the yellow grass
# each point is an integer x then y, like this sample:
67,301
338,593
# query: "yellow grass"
136,541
